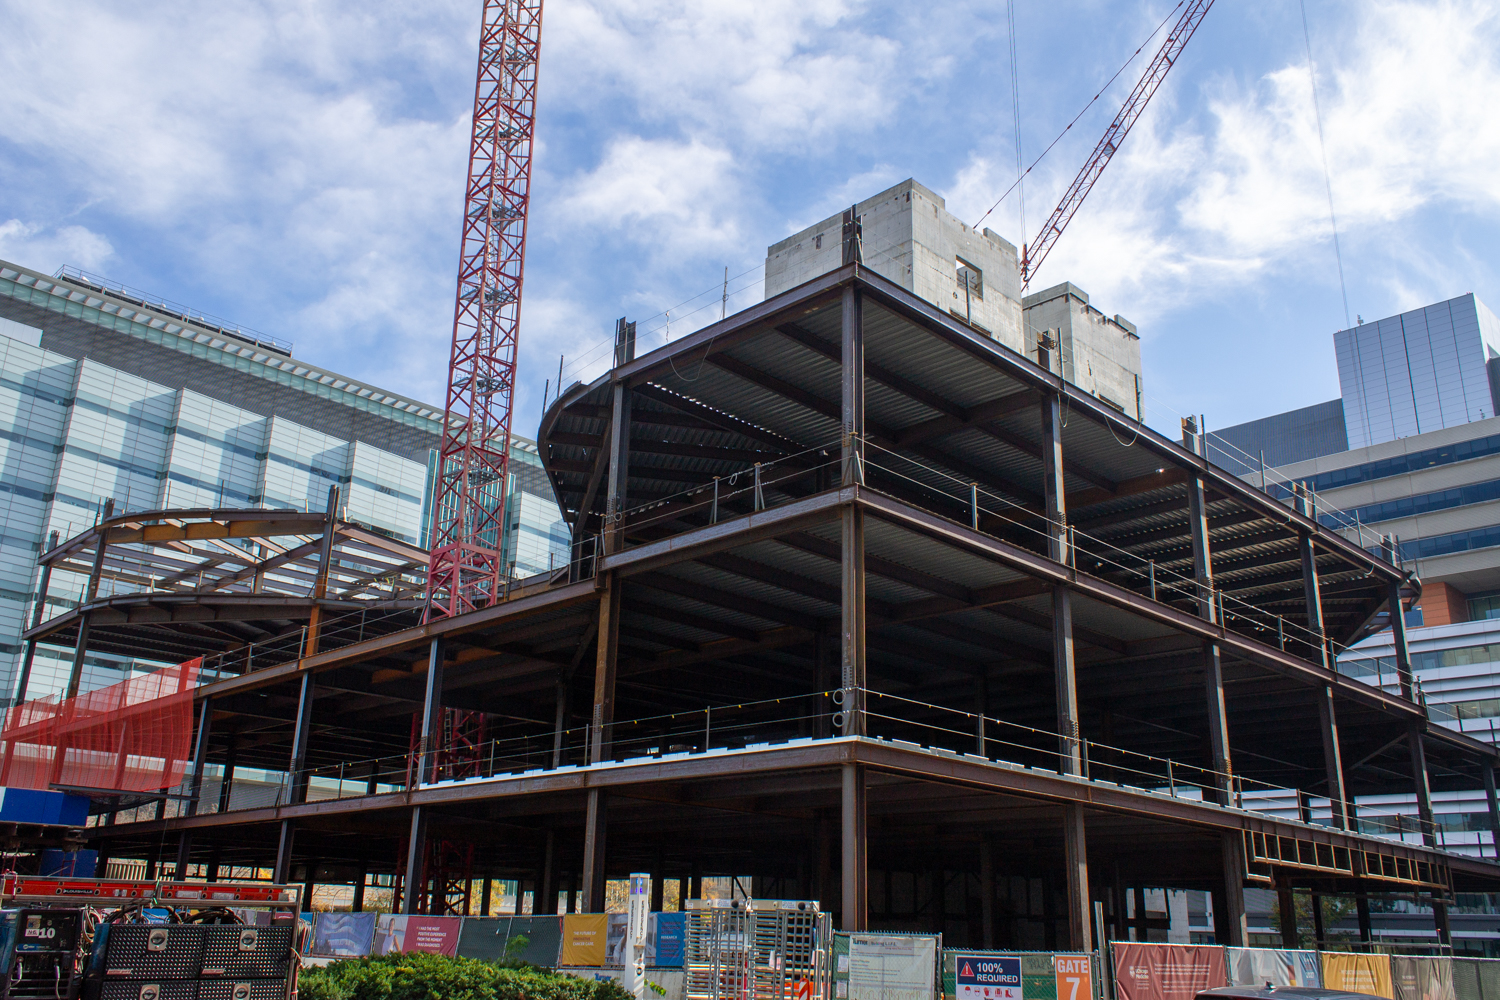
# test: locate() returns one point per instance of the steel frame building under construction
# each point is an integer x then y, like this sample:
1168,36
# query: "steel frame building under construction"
856,589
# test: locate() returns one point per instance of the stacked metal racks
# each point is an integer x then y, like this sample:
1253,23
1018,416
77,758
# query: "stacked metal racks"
245,963
759,949
150,961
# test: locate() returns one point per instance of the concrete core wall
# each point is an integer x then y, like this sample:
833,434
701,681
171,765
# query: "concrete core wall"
910,238
1100,354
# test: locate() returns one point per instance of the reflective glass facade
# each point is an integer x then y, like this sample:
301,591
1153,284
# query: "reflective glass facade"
109,398
1420,371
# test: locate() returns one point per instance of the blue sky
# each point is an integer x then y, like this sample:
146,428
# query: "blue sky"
297,167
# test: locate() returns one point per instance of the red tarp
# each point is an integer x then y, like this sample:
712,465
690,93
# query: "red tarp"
1166,971
132,736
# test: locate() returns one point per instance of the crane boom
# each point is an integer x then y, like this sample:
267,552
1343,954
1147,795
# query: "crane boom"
1033,255
468,511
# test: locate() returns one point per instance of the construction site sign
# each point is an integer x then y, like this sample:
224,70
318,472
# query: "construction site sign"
987,977
1167,971
892,967
1074,978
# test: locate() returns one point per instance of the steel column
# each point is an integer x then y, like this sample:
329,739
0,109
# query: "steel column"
432,716
301,736
416,861
1213,671
606,665
1236,927
90,591
1070,742
546,887
1362,915
1311,594
854,915
1398,626
226,779
1419,779
1080,907
200,755
36,619
325,564
1333,762
1494,804
594,824
282,874
852,647
1286,906
852,387
1054,489
981,707
358,904
617,490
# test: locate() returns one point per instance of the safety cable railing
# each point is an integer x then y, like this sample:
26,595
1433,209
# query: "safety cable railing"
1093,554
800,718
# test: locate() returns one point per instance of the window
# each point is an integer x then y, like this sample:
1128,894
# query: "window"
1487,606
970,278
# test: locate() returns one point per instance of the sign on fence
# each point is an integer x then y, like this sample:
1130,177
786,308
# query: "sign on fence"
1073,977
892,967
435,935
1167,971
1045,975
584,938
987,977
343,935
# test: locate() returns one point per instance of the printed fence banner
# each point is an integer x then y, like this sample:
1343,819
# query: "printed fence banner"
1358,973
892,967
435,935
1276,966
1422,978
489,938
584,936
1167,971
1476,978
343,935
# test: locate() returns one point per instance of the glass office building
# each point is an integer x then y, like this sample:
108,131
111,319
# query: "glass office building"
1417,372
106,393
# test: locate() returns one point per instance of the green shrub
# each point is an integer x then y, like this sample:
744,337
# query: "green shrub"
419,976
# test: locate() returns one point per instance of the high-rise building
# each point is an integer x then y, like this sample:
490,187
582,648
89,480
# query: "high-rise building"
908,235
106,393
1419,371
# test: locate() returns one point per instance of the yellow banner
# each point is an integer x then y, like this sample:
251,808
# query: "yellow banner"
584,938
1358,973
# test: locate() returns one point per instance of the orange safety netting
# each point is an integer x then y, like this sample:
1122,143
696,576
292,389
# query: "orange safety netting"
131,736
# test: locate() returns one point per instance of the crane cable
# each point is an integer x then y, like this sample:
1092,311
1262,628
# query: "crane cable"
1327,176
1080,114
1015,100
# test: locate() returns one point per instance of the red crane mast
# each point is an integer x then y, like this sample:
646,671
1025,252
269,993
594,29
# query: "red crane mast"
1033,255
468,513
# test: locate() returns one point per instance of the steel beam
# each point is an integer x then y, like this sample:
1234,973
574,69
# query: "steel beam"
301,737
432,714
1236,927
286,837
616,496
36,619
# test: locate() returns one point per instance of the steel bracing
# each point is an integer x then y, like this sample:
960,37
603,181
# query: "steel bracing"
469,509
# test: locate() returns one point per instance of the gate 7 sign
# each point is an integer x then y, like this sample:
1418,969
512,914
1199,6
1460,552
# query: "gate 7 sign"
987,977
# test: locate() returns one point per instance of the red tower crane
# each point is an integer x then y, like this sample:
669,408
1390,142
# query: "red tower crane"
468,513
1033,255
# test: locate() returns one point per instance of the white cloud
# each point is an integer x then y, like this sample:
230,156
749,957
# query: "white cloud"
44,249
782,73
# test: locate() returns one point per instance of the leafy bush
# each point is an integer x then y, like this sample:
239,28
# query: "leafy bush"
419,976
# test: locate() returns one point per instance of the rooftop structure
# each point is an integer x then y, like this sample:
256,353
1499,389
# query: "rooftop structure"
907,235
857,599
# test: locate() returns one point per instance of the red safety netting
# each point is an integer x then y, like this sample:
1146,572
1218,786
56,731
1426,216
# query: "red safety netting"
132,736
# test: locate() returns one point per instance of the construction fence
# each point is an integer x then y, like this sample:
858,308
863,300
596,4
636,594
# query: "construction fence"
132,736
1145,971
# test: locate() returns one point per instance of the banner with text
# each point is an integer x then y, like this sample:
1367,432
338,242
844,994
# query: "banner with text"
1146,971
1358,973
1276,966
